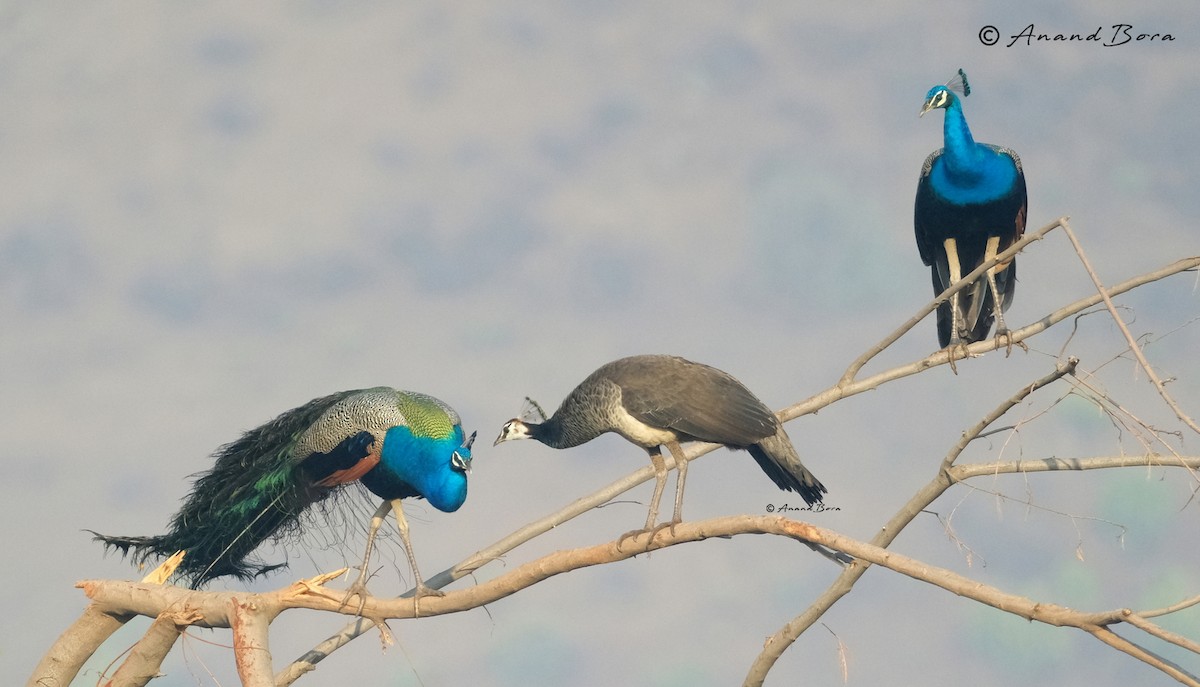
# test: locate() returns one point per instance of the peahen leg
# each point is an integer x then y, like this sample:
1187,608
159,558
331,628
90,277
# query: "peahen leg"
421,589
681,466
660,482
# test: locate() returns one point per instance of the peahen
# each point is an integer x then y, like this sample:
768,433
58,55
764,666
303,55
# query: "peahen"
656,400
971,205
399,444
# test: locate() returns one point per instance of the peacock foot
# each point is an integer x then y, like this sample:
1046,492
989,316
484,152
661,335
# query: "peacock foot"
1006,335
359,589
955,347
423,590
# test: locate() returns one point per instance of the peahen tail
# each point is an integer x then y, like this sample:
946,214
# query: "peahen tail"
777,457
255,491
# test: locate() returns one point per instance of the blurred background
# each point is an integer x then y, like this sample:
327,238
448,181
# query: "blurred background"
215,212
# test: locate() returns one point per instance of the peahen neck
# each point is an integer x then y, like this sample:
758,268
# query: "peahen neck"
558,434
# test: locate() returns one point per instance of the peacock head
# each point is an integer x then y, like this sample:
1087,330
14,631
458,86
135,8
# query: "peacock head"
941,97
515,428
460,459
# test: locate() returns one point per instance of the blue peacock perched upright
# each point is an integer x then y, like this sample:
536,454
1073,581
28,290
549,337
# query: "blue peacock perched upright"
971,205
399,444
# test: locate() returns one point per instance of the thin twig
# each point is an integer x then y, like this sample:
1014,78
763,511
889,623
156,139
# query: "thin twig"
838,391
1119,643
1140,622
1186,603
1129,338
961,473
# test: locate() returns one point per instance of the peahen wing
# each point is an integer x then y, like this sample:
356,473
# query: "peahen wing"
694,399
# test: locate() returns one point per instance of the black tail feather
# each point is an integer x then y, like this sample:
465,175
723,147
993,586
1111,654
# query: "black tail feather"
255,491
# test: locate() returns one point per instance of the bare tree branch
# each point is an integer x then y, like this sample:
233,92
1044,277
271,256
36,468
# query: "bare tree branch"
147,655
961,473
1133,344
814,403
1119,643
779,642
127,597
250,615
968,280
75,645
1139,621
251,639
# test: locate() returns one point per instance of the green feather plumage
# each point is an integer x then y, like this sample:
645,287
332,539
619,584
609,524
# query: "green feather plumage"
259,486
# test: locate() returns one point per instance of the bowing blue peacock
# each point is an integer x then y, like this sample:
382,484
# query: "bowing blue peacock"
971,205
398,444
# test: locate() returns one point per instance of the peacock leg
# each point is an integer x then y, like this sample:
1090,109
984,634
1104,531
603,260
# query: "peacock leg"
660,482
421,589
993,246
360,585
956,316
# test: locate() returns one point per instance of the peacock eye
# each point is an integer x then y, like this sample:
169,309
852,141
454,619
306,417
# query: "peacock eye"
459,462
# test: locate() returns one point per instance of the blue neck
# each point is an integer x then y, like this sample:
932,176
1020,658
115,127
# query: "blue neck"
969,172
961,154
424,463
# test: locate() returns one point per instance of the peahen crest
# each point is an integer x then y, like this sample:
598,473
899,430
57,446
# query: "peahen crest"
532,411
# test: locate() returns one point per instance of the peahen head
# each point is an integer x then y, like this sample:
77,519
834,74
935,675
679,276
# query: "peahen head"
524,427
942,97
514,429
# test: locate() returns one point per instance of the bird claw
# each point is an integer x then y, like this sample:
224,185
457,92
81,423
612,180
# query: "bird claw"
666,525
1008,342
422,590
652,530
632,534
425,590
955,344
359,589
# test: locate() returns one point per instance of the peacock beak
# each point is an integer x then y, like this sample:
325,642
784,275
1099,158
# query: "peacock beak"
926,107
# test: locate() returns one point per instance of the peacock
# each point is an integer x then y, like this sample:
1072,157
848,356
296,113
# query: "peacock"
398,444
971,205
656,400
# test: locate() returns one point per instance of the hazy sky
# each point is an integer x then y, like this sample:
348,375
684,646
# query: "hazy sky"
213,213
